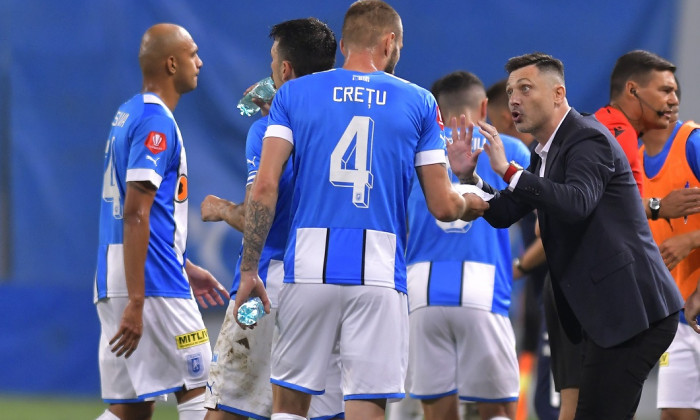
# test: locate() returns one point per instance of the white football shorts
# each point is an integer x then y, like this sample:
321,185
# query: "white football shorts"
239,377
369,324
464,351
679,371
173,352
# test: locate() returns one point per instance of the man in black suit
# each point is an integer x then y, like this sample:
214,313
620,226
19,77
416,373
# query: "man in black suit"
611,287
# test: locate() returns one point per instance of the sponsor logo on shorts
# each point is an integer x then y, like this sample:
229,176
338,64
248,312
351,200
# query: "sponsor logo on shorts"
194,364
663,361
192,339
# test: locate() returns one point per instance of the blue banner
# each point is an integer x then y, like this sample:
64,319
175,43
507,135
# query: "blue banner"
65,67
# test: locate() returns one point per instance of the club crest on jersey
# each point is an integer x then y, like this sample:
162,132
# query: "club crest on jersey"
156,142
194,364
457,226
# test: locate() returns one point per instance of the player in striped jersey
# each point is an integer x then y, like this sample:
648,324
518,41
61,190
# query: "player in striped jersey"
144,282
356,134
462,345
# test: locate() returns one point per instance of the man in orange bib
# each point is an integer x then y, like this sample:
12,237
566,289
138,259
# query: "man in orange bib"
671,160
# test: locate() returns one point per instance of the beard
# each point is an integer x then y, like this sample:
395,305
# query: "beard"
393,59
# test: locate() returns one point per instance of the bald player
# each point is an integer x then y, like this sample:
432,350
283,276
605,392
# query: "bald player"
153,339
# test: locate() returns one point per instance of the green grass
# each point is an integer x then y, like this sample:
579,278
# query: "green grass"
55,408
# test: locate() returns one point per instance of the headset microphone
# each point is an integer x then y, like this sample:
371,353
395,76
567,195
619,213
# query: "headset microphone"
642,101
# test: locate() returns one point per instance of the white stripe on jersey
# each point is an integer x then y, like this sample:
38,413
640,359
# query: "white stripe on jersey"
279,131
417,276
380,256
144,175
309,254
149,98
116,275
251,177
429,157
477,285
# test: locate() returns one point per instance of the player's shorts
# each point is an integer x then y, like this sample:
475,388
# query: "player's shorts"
566,356
239,378
173,352
370,325
465,351
679,371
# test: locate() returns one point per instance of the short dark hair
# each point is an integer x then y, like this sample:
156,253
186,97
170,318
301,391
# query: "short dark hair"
367,20
636,65
458,81
308,44
497,94
543,62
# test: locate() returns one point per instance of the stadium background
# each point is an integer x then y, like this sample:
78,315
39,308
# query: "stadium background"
65,67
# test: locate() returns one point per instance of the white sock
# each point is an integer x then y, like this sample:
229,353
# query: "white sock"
499,418
107,415
192,409
286,416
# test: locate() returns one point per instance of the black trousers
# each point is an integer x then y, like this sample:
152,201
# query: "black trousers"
566,356
612,378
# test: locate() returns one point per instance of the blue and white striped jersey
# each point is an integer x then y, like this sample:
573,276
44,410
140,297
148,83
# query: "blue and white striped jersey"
144,144
461,263
357,138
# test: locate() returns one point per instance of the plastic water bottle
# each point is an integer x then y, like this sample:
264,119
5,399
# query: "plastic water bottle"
250,312
264,89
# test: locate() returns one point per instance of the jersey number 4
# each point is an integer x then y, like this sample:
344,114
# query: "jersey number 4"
351,160
110,189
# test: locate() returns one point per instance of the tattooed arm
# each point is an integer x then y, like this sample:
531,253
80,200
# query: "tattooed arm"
259,214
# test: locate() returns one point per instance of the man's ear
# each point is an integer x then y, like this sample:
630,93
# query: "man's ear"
483,109
343,49
389,41
287,71
171,65
559,94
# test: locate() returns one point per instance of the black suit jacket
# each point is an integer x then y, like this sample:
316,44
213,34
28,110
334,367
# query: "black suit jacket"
608,276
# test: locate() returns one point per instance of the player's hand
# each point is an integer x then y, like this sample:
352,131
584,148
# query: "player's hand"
476,207
130,330
250,286
205,287
675,249
680,202
264,106
692,310
210,208
459,149
494,148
